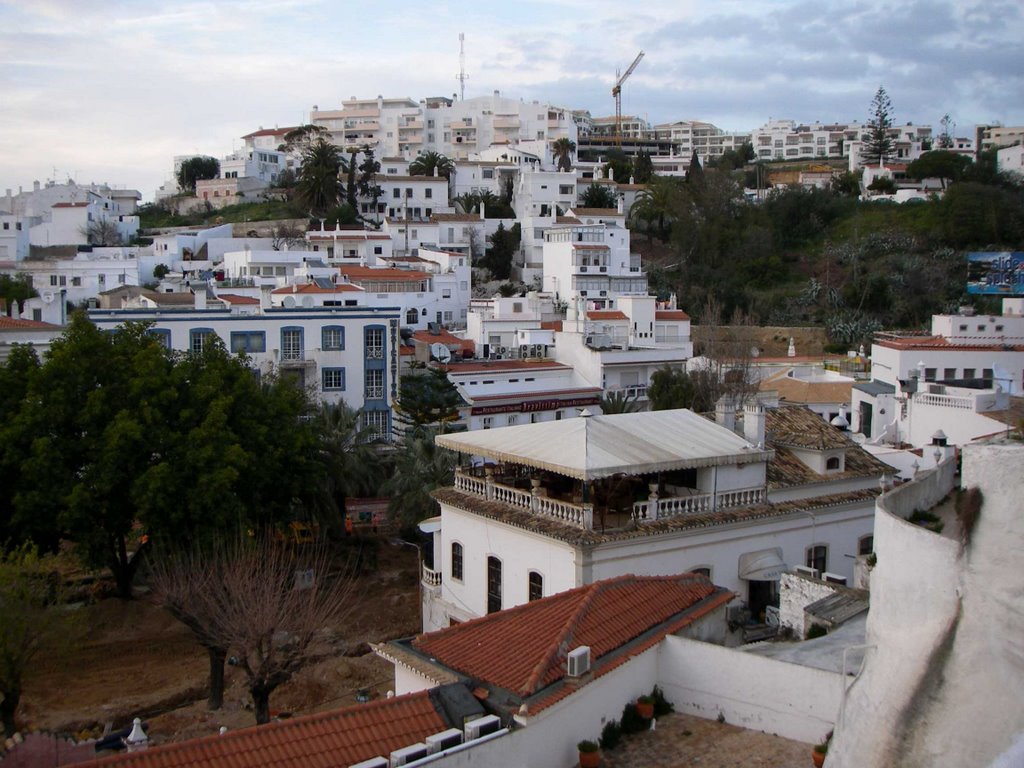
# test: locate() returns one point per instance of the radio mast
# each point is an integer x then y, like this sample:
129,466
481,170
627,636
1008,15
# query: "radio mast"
462,77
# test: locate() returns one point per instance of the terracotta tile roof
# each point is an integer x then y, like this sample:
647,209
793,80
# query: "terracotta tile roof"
456,217
17,324
597,212
606,314
346,234
786,470
670,314
551,325
548,394
234,298
340,737
314,288
269,132
177,299
69,205
799,427
802,391
356,274
608,616
445,337
482,366
941,342
571,534
567,220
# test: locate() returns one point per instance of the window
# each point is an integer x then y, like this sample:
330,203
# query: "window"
456,561
981,328
375,343
565,189
396,193
865,545
291,343
832,463
929,374
333,378
248,341
375,384
968,373
511,420
487,422
536,589
987,373
332,338
703,570
446,293
53,279
199,339
493,584
378,250
949,373
162,335
412,317
817,557
428,193
376,424
999,329
963,327
76,281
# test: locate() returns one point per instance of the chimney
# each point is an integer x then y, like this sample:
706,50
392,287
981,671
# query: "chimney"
35,186
620,206
725,413
753,424
791,352
436,174
199,293
482,207
611,173
137,740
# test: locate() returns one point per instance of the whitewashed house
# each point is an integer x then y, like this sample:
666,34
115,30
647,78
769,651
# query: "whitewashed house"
547,507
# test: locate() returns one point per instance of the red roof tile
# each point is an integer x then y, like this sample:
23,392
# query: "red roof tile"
340,737
606,314
482,366
17,324
355,274
445,337
269,132
940,342
234,298
607,616
671,314
314,288
551,325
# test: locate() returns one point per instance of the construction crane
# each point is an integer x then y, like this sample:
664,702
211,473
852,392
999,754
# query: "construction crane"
617,93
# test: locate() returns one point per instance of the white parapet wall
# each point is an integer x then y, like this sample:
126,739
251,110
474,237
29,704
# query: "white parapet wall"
750,691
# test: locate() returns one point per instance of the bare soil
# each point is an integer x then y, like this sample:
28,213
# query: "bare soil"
135,660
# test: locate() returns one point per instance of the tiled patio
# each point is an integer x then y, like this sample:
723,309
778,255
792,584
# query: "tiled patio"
682,741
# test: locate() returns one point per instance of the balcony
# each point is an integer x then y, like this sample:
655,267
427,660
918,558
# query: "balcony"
375,393
295,358
431,579
563,501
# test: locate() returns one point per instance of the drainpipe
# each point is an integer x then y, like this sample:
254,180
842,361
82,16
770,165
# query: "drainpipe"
842,680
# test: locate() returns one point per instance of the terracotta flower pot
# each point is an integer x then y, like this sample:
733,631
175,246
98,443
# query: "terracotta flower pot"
645,709
818,758
590,759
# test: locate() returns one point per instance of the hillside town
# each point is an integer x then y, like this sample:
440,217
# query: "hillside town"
485,430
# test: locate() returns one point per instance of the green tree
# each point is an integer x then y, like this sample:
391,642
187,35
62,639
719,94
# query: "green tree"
420,467
30,621
946,135
427,399
196,169
367,183
563,149
883,185
656,206
15,290
301,138
939,164
643,168
319,187
618,168
160,271
598,196
670,388
504,244
428,162
620,401
351,185
846,184
878,141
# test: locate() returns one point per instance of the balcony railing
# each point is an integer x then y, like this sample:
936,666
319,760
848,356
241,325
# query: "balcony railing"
579,515
431,578
674,506
375,353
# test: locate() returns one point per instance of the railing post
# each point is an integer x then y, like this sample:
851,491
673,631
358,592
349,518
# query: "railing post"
588,517
488,483
534,494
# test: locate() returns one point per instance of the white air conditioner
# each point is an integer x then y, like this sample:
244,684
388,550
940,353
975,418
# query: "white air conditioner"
578,661
533,350
409,754
834,578
373,762
503,350
443,740
482,726
524,350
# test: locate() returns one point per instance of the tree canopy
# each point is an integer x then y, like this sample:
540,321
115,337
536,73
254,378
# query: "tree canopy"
939,164
196,169
319,187
878,141
428,162
598,196
563,148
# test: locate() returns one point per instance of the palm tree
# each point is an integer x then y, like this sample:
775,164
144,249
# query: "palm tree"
657,203
420,467
319,187
562,150
425,164
620,401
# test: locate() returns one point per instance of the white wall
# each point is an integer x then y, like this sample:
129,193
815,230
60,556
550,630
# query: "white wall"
755,692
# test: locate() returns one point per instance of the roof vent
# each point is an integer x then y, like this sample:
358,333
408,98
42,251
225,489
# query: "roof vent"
578,661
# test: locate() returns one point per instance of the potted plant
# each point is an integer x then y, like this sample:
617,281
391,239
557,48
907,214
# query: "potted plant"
590,754
645,707
820,750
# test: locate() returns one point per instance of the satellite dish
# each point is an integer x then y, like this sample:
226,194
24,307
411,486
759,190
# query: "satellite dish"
440,352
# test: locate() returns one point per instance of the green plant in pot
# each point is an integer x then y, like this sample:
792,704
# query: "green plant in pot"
820,750
645,707
590,754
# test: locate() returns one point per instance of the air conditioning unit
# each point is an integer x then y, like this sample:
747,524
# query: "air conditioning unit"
482,726
409,754
533,350
578,661
542,350
373,762
524,351
443,740
834,578
503,350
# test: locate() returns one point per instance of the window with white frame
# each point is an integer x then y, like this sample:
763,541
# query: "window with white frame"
456,561
333,379
375,343
817,558
374,384
199,339
248,341
376,425
536,586
333,338
291,344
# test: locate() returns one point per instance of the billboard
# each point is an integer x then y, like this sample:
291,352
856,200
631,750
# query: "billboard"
996,273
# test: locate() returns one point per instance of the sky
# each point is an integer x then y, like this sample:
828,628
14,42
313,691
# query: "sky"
111,90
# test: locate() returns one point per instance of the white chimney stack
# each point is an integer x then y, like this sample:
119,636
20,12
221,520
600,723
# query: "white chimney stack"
137,739
753,424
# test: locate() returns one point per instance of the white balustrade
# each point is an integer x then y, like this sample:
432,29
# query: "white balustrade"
743,497
945,401
513,496
431,578
567,512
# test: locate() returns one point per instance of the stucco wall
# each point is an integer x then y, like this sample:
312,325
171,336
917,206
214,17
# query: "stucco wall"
795,594
750,691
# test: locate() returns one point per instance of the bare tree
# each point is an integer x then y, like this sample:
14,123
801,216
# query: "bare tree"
263,602
286,236
102,231
729,356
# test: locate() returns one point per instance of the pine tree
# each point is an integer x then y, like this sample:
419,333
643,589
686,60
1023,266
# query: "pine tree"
878,143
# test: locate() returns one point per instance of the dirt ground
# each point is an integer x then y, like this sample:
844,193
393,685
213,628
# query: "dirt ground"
135,660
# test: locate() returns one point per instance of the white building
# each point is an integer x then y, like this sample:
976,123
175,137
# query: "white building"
337,354
14,242
964,379
591,263
559,507
84,276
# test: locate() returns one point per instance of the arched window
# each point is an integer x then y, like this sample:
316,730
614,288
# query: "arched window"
456,561
536,586
866,545
493,584
832,463
412,316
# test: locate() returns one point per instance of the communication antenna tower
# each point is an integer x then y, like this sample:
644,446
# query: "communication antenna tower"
462,77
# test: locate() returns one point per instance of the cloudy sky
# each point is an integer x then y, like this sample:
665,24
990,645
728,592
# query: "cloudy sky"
110,90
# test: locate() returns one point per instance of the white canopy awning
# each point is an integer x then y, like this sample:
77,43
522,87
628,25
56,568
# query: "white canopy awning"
763,565
592,447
